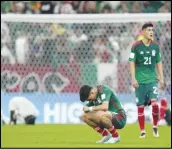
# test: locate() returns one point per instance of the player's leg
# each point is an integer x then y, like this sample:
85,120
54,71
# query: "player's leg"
163,108
141,120
140,100
155,116
92,119
112,122
168,117
153,95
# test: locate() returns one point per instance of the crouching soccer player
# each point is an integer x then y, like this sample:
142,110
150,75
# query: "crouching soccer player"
103,112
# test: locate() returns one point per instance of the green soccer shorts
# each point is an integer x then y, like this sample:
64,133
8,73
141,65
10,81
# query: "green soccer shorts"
146,92
119,120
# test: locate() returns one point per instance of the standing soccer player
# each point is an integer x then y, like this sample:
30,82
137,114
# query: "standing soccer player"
103,112
144,58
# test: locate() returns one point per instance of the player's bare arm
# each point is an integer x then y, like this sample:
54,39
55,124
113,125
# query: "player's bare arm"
102,107
100,115
132,71
160,74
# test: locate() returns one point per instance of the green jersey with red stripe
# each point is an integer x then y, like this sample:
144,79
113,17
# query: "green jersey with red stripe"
106,94
145,58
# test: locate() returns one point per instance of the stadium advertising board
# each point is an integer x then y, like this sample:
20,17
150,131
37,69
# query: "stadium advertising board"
65,108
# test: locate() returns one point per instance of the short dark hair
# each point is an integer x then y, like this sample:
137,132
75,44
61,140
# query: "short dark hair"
84,92
147,25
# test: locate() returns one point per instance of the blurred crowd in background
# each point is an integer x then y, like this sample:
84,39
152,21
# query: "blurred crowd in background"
53,44
73,7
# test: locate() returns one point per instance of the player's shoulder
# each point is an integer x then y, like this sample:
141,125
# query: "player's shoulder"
136,44
155,43
100,88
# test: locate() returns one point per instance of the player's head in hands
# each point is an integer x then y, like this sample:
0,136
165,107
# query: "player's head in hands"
148,31
87,93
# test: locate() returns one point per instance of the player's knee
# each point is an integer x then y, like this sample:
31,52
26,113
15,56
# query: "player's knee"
164,103
155,107
83,117
103,119
154,102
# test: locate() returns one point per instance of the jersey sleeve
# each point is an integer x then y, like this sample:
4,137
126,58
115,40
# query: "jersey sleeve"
158,55
89,104
105,96
132,57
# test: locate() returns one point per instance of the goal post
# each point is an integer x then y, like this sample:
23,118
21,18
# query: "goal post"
87,18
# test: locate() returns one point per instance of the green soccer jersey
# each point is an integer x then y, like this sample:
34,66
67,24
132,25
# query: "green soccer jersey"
106,94
145,58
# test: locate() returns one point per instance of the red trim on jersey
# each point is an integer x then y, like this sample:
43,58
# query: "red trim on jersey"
100,89
136,43
119,117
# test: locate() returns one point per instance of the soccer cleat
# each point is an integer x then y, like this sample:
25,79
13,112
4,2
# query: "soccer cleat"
143,134
104,139
113,140
155,132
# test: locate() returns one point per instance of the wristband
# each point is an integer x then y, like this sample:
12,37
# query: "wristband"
90,109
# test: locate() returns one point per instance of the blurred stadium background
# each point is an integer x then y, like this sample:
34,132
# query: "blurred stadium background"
47,61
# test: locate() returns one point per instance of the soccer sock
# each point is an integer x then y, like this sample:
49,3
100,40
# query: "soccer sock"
113,131
155,113
141,118
103,132
163,108
162,112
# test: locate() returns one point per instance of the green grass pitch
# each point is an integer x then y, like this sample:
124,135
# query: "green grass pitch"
57,135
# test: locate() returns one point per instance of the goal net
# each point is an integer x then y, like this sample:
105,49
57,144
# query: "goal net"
47,58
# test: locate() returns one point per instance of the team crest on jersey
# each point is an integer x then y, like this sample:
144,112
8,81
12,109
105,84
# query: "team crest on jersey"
153,52
141,52
103,96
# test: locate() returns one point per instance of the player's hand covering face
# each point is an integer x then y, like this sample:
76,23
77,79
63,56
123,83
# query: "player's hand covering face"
148,33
